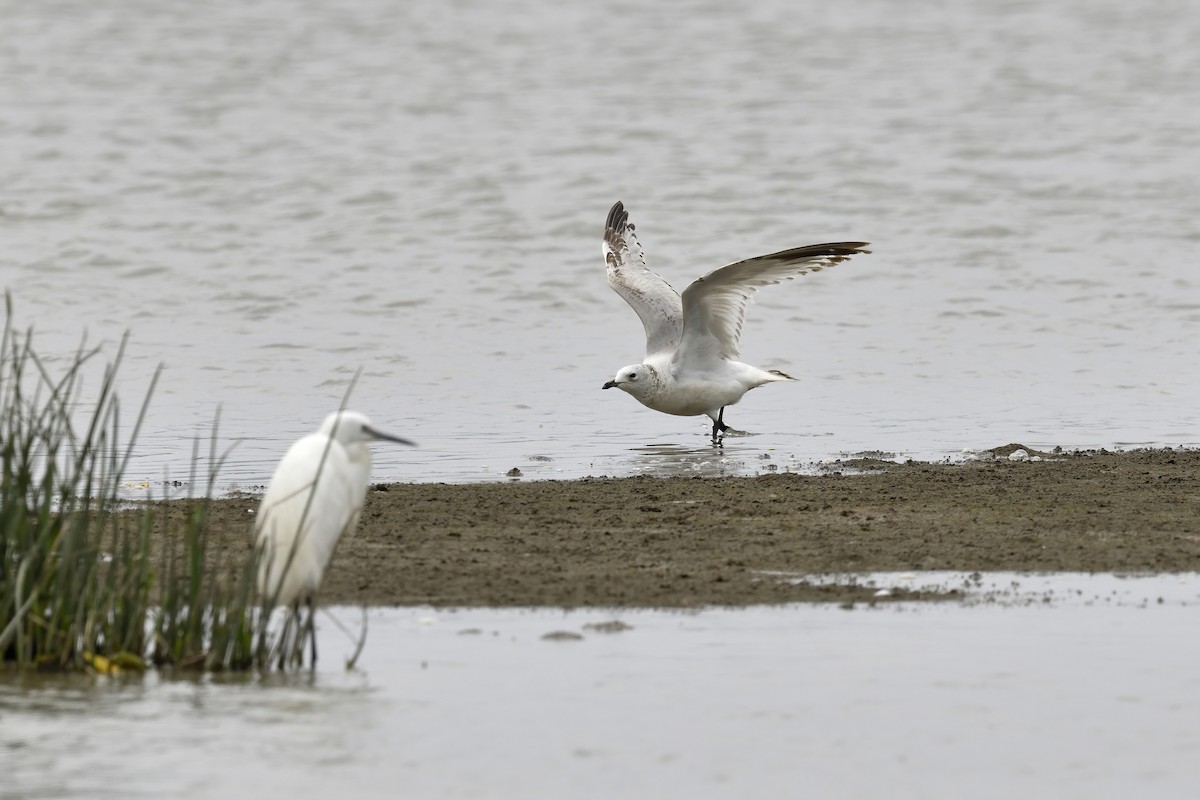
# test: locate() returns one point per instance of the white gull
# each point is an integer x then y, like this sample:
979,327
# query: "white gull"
691,365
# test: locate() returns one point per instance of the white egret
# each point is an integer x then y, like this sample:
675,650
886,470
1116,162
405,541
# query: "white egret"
315,495
691,365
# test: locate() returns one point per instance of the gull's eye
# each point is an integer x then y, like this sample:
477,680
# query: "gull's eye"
633,376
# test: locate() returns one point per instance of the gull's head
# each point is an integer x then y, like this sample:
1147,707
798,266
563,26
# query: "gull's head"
636,379
351,427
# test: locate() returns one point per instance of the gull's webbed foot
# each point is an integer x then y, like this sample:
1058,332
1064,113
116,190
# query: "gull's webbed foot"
719,425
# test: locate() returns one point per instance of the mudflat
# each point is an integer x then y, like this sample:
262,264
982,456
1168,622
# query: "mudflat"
687,542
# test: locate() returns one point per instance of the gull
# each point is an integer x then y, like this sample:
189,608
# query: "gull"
315,495
691,365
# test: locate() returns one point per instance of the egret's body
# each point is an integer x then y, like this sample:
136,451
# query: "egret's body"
692,341
315,495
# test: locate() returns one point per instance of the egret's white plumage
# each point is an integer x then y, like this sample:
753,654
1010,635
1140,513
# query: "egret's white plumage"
315,495
691,364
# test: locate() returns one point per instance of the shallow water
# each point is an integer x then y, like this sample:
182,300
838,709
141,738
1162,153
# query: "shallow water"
272,196
1092,694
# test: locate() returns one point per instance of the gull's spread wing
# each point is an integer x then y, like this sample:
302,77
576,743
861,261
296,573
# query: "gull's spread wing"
656,303
715,305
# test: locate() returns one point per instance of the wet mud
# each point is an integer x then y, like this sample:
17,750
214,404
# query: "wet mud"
687,542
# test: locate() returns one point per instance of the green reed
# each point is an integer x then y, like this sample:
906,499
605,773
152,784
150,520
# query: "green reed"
81,584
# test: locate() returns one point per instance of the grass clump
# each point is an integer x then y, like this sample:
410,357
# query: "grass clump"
85,582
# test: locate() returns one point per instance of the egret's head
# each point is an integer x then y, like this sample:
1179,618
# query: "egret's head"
351,427
636,379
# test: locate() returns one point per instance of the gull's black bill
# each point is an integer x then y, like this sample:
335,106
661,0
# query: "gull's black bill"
609,385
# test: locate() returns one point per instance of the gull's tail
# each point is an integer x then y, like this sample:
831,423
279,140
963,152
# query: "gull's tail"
753,377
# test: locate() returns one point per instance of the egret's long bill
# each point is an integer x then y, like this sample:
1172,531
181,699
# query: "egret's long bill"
374,434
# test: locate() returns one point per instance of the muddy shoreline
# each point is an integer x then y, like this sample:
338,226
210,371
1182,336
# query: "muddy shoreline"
687,542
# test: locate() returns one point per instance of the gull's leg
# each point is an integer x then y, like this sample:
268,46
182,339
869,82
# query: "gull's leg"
719,425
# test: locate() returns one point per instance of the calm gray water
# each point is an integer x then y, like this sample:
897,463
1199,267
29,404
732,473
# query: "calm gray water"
1092,695
269,196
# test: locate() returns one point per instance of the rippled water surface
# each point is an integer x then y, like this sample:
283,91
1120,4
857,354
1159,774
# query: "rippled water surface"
269,196
1038,686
